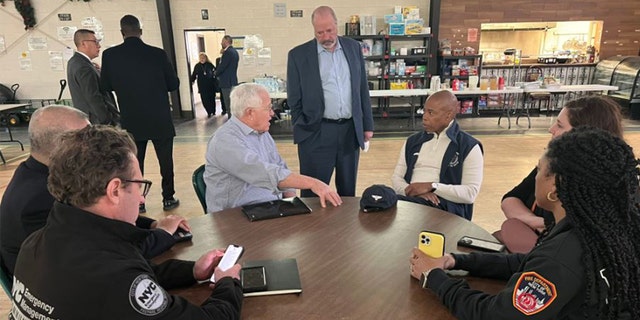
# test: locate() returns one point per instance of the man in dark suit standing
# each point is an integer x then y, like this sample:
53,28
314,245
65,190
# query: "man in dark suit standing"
142,76
328,93
83,78
227,72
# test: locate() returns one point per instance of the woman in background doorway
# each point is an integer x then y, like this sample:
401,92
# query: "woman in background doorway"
203,72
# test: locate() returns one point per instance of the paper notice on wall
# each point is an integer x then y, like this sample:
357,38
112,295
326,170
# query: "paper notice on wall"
264,56
92,23
67,53
25,61
472,35
249,56
66,33
55,61
37,42
3,48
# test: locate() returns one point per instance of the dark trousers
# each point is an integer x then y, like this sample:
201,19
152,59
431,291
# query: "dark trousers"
222,104
209,101
226,102
164,152
334,146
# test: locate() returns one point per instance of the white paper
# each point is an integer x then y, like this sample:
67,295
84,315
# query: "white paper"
37,43
366,146
25,61
2,45
55,61
66,33
264,56
67,53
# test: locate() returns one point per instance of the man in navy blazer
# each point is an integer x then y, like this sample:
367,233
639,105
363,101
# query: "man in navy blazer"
142,76
227,72
83,78
328,93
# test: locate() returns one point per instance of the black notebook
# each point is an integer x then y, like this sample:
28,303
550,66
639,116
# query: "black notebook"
281,276
275,209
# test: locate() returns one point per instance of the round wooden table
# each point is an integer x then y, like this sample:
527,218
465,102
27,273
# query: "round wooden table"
352,265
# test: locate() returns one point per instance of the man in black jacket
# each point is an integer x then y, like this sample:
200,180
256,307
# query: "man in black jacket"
86,264
141,76
26,202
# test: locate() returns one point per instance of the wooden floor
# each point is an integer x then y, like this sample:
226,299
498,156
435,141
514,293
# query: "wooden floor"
508,159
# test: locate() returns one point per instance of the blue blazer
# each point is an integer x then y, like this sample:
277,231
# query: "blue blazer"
227,69
304,89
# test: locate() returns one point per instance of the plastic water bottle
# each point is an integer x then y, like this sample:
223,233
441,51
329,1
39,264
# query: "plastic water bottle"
401,67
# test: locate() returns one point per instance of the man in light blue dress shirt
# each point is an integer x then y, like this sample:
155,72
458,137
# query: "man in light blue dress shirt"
328,93
243,165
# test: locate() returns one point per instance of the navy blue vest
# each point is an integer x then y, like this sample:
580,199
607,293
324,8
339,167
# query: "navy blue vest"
451,167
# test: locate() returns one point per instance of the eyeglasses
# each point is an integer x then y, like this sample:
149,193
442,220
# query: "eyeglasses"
267,109
145,185
97,42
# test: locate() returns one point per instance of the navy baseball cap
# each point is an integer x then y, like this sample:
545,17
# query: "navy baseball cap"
378,197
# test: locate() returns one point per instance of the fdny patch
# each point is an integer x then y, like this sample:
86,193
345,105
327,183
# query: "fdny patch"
146,296
533,293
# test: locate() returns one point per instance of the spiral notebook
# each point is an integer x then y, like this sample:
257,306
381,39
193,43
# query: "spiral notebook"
275,209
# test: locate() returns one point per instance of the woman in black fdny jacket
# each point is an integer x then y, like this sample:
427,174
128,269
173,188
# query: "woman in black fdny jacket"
586,267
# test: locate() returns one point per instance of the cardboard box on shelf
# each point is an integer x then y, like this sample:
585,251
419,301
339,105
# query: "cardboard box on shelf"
410,10
396,29
413,26
398,85
393,18
466,106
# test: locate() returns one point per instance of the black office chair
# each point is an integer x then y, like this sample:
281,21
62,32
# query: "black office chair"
199,186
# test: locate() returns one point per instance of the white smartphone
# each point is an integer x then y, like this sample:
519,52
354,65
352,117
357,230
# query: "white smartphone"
231,257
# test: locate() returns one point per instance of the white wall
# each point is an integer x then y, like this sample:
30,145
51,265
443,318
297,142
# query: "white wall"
241,17
42,82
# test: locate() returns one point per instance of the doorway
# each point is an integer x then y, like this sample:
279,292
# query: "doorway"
196,41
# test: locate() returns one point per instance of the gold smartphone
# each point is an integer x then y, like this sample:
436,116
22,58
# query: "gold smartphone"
431,243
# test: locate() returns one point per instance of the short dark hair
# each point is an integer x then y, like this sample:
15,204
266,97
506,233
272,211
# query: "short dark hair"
80,35
129,24
86,160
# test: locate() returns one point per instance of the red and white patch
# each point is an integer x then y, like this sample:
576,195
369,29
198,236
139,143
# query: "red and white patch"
533,293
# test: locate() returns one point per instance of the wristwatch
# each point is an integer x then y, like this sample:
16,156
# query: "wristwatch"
423,279
434,187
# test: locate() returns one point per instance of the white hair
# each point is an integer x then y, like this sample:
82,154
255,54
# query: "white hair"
245,96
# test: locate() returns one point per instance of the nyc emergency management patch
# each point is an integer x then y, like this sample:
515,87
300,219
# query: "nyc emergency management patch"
146,296
533,293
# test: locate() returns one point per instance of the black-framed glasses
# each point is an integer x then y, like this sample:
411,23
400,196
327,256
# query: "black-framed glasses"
145,185
97,42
